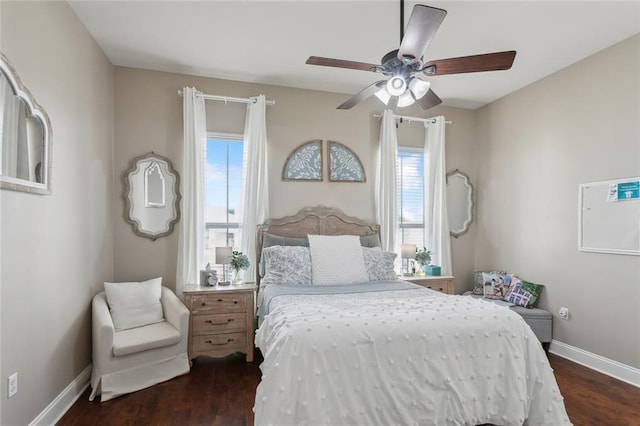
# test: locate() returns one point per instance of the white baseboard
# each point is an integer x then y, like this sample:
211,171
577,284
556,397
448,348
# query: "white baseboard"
599,363
56,409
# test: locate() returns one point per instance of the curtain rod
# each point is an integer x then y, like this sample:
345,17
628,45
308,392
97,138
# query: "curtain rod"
410,119
226,99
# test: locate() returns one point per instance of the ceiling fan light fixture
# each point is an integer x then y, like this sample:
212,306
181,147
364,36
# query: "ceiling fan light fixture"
383,95
418,87
396,85
405,99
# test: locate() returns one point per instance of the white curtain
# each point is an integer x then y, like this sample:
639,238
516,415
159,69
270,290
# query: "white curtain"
192,227
255,185
385,195
435,197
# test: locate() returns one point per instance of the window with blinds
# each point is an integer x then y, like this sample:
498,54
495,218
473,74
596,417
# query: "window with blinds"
410,193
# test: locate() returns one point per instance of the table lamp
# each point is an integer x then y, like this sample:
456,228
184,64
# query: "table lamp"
223,257
408,252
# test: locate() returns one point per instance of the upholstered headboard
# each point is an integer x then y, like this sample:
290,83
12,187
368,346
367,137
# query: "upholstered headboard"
319,220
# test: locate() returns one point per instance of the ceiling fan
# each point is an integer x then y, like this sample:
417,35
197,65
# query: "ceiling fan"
402,87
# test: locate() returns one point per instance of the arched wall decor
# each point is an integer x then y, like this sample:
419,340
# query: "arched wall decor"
25,136
304,163
344,164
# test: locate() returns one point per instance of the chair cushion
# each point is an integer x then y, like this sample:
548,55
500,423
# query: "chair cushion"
139,339
134,304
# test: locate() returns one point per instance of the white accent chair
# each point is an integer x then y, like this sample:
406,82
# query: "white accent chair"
129,360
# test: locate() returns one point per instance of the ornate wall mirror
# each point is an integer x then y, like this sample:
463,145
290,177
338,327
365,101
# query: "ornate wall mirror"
151,196
25,136
459,202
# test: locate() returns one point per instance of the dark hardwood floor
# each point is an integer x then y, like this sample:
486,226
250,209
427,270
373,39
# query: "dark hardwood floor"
221,392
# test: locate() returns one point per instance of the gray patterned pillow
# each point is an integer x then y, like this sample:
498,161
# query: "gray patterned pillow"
286,265
379,264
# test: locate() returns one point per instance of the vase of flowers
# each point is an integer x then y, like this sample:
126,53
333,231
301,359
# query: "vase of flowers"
423,257
239,262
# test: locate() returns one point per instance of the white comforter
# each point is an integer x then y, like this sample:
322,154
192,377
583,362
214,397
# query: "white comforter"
403,357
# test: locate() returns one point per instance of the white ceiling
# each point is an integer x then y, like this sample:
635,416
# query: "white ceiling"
269,41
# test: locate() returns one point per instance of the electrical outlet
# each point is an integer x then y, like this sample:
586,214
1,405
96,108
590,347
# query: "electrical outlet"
12,385
564,313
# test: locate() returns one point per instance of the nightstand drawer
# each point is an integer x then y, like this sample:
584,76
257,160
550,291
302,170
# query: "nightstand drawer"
218,303
221,343
440,288
443,284
219,323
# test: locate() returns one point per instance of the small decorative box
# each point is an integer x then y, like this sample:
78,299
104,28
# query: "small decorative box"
433,270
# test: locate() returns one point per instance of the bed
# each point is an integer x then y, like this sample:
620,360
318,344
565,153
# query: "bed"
388,352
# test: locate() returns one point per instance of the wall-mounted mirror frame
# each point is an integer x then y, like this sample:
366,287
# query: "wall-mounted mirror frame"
459,202
151,193
25,136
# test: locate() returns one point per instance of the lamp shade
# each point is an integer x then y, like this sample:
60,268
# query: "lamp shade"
409,251
223,255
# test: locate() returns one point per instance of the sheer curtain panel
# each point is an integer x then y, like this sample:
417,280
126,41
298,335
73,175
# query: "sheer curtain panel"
436,225
192,228
385,195
255,193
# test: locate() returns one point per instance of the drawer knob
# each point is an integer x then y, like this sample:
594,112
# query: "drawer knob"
219,344
220,300
219,323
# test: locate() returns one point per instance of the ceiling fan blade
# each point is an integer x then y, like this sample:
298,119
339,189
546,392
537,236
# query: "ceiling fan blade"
363,94
422,26
429,100
340,63
475,63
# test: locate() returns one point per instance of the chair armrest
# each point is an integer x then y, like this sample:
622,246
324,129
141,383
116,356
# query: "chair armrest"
102,327
174,311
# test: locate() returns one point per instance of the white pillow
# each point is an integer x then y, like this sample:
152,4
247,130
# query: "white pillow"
336,259
135,304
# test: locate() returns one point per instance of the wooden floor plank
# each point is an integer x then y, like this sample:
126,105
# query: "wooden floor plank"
222,391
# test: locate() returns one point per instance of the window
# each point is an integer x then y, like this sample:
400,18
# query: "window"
410,193
223,186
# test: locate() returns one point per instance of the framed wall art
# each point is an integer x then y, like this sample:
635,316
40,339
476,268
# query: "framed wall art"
304,163
344,164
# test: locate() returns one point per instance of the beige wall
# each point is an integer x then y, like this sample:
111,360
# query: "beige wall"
535,147
148,116
56,249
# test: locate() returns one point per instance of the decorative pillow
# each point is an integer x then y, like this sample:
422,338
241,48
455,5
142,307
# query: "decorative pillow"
478,281
286,265
269,240
336,259
370,240
135,304
514,281
379,264
495,284
524,293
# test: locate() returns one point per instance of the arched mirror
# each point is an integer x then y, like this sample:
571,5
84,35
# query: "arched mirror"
151,196
459,202
25,136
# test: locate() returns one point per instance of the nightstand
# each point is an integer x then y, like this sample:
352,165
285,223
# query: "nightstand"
443,284
222,319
